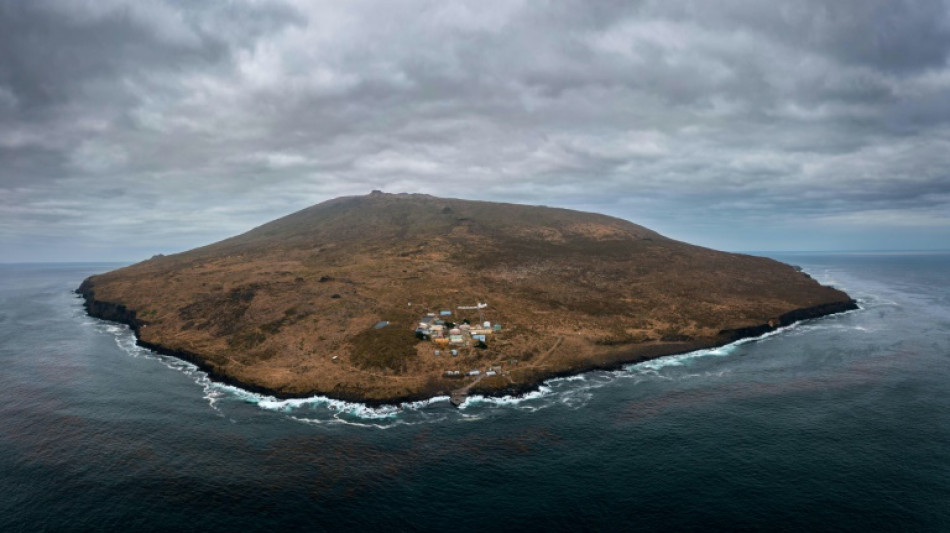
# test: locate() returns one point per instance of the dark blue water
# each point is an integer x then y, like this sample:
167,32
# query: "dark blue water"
838,424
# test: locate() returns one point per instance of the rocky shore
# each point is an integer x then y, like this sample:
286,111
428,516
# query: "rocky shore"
119,313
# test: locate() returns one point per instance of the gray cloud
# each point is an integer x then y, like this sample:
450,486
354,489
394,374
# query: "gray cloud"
128,128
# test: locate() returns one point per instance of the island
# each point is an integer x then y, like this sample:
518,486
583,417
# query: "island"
387,298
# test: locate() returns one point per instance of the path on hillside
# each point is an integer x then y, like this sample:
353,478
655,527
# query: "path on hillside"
460,394
543,358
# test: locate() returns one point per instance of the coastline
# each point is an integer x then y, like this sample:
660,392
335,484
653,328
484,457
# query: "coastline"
119,313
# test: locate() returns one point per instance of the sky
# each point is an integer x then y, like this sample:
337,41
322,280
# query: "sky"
132,128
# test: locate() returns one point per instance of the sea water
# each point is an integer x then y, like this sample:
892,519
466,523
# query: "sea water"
840,423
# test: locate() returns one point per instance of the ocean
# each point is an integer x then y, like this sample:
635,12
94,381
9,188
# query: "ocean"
835,424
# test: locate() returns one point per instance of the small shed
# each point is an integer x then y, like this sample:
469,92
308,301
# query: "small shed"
456,339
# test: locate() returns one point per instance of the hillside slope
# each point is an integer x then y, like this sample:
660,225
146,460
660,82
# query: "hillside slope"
292,307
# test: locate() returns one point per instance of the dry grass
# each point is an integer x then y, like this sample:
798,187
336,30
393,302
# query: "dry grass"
389,348
276,305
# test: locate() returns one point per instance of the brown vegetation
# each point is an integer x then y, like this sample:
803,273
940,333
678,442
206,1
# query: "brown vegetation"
384,349
289,307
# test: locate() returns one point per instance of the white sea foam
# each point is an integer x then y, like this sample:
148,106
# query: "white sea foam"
329,410
576,377
358,410
575,399
685,358
509,400
327,421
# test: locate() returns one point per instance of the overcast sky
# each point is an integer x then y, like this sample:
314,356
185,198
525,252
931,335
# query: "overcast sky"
130,128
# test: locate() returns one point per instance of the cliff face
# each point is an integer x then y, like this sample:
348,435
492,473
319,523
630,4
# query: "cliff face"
291,308
112,311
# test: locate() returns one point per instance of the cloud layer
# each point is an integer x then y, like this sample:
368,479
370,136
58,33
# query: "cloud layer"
130,128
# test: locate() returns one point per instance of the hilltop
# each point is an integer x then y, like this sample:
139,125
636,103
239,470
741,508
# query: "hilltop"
338,299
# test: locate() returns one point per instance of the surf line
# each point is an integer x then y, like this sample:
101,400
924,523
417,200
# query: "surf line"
457,397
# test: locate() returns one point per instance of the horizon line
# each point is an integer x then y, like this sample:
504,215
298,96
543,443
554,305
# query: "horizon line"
868,251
